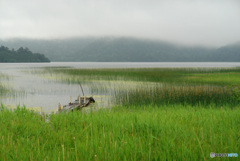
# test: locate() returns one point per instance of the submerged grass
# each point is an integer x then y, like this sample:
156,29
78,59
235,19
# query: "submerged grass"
157,86
3,89
149,133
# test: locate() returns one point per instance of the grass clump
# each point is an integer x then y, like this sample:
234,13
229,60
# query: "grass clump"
184,95
151,133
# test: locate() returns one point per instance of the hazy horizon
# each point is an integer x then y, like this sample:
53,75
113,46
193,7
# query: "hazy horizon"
186,22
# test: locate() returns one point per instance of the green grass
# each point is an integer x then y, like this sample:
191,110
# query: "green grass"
184,95
213,76
158,86
227,78
161,114
148,133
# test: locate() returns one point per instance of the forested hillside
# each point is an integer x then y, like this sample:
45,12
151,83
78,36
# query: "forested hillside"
125,50
20,55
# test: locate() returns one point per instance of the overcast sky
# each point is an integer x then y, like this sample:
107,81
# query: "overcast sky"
203,22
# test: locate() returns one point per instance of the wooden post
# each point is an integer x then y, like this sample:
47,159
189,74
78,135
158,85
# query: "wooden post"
84,102
59,107
79,99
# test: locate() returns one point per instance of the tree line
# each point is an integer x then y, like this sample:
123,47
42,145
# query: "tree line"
20,55
113,49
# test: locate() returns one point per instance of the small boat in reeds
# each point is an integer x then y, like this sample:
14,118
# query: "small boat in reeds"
78,104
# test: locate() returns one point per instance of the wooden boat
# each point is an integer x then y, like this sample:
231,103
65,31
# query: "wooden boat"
78,104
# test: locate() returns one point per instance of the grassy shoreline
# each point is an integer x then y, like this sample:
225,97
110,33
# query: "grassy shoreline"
160,114
150,133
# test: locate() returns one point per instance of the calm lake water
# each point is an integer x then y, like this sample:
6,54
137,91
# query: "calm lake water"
36,91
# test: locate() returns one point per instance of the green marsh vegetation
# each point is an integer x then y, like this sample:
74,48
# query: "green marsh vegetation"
160,114
6,89
173,132
159,86
3,88
216,76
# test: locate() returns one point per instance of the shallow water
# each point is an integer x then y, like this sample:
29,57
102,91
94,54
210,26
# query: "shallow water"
32,90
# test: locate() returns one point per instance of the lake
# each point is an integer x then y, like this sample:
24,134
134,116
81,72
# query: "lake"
35,91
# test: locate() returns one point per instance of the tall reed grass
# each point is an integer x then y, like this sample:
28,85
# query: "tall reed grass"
150,133
168,86
184,95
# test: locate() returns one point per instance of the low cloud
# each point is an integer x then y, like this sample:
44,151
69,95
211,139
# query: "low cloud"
204,22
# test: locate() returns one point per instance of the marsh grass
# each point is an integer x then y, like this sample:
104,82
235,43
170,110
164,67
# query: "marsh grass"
4,76
164,114
184,95
6,90
3,88
158,86
214,76
151,133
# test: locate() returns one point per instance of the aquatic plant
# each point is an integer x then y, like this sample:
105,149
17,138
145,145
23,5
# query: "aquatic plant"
3,89
175,94
157,86
214,76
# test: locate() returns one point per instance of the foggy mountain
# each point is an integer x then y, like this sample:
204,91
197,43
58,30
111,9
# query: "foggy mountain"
110,49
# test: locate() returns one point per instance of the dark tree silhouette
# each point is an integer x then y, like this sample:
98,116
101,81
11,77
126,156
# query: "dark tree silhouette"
20,55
